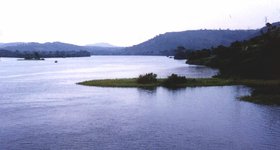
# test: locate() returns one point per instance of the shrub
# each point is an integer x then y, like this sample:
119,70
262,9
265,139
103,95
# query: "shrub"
147,78
174,80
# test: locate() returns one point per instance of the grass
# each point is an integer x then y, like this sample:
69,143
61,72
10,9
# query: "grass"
119,83
160,82
263,99
132,82
268,94
264,91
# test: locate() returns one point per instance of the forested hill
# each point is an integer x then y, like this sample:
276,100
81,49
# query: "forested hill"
49,46
258,57
196,39
60,47
164,44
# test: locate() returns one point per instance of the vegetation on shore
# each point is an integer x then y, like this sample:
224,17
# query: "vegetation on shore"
257,58
254,63
148,78
264,91
268,94
129,82
132,82
189,82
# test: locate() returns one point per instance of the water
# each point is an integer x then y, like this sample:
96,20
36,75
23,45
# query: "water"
41,107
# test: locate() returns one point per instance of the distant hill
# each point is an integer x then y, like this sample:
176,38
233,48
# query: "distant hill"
96,50
7,53
101,45
102,49
37,55
165,44
2,45
55,49
49,46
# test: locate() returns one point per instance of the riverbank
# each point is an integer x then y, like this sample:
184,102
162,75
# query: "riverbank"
132,82
263,91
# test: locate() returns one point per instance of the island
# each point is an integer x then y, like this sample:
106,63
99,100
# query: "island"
264,91
254,63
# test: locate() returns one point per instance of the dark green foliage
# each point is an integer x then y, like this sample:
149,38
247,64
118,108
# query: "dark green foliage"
266,90
257,58
181,53
199,54
175,80
147,78
269,94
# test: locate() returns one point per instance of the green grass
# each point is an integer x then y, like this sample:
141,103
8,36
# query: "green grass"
264,91
268,99
132,82
160,82
268,94
257,83
119,83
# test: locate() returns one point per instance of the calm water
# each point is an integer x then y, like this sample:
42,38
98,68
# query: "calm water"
41,107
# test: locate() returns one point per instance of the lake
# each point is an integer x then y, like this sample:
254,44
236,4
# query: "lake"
41,107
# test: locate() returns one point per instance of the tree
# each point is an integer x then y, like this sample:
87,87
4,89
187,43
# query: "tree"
147,78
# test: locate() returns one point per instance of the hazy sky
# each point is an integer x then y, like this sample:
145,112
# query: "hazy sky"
125,22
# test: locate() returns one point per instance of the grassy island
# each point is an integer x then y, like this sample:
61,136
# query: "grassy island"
132,82
190,82
119,83
264,91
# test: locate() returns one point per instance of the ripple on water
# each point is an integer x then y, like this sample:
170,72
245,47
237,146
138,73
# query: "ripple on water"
41,107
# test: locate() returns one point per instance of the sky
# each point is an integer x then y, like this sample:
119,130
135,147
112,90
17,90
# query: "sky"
125,22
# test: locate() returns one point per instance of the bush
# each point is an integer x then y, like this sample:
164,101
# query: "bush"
147,78
174,80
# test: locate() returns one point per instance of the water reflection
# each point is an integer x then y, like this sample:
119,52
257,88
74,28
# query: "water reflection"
147,90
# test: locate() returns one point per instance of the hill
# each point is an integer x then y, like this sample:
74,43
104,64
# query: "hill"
101,45
99,50
54,49
257,57
2,45
104,49
42,54
49,46
165,44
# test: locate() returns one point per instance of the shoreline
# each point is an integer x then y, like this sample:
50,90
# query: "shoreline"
132,82
269,96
